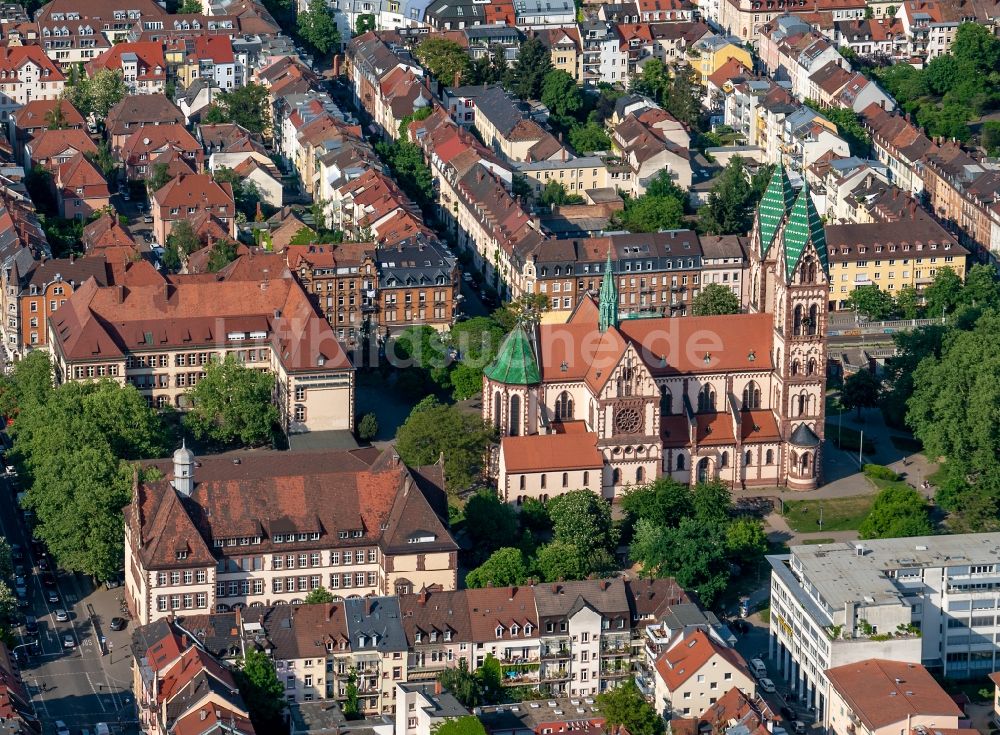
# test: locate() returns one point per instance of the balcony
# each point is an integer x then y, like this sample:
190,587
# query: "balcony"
551,675
558,653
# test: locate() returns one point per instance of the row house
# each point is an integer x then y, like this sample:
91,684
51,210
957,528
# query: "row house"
930,26
576,175
806,136
418,283
211,59
81,189
669,11
746,18
27,74
961,192
158,335
187,196
141,63
367,204
112,18
836,183
22,244
39,115
898,144
565,50
722,87
401,93
873,38
832,86
180,687
648,142
711,53
605,56
366,525
147,145
68,41
370,60
725,263
792,51
107,233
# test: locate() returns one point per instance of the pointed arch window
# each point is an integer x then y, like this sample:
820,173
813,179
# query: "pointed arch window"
514,420
706,399
680,462
751,396
748,459
724,460
769,457
564,406
812,326
797,319
666,401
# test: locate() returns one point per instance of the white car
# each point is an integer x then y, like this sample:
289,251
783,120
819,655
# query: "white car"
61,616
767,685
70,642
61,728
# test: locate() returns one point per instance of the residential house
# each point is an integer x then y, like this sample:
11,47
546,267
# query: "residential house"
534,14
695,673
39,115
565,49
183,197
377,639
422,708
649,142
724,262
502,124
898,144
106,232
710,53
46,286
134,111
27,74
418,283
879,38
746,18
150,145
52,148
141,63
81,188
265,177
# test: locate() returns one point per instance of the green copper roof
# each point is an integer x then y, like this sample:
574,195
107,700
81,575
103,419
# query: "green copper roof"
608,304
774,205
515,363
804,226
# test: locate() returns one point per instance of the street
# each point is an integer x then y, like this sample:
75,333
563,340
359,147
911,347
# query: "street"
78,685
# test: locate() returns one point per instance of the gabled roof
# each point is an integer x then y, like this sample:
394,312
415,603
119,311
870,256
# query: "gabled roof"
49,143
35,114
551,452
687,657
515,363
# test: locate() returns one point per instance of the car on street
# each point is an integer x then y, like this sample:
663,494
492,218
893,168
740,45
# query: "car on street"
17,552
767,685
20,589
467,277
30,625
799,727
61,728
69,641
48,580
118,623
53,596
43,564
61,615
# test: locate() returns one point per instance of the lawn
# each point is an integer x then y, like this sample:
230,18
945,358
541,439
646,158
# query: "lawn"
847,439
839,514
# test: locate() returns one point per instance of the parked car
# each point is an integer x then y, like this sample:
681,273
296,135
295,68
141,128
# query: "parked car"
17,552
48,580
43,563
61,728
767,685
30,625
799,726
61,615
69,641
758,668
53,596
118,623
21,590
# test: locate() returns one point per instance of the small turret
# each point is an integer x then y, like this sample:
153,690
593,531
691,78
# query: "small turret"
608,303
183,481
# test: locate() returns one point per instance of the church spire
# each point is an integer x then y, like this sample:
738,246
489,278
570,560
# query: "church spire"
608,304
774,207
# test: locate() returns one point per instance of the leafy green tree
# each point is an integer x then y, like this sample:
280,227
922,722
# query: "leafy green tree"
490,676
232,403
407,163
860,390
588,138
6,560
714,300
712,502
433,429
555,194
263,693
29,382
318,596
444,58
94,97
897,511
190,7
245,193
582,518
562,96
849,127
990,137
222,254
683,99
982,288
731,203
694,553
462,683
908,303
562,561
650,214
746,541
526,76
506,566
911,348
654,81
103,159
477,341
490,68
248,106
664,502
626,706
534,517
73,447
318,28
872,302
489,522
423,352
364,23
352,705
468,725
368,427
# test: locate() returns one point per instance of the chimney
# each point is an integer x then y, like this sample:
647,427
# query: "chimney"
72,258
368,605
555,589
437,687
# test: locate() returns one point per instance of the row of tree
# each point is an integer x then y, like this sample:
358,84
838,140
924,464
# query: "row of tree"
943,296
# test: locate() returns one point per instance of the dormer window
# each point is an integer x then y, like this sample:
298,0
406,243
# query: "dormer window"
447,636
527,629
181,555
514,628
434,636
499,631
418,637
362,641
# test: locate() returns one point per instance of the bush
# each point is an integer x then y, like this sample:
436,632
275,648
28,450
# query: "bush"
367,427
880,472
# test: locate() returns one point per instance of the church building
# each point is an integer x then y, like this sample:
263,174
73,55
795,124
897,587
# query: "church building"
606,403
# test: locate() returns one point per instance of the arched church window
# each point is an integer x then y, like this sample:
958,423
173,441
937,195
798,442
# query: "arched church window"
797,320
748,458
497,410
706,399
751,397
666,401
680,462
514,422
564,406
813,320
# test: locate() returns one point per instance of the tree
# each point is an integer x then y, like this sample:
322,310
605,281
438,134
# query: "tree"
462,683
527,75
468,725
653,81
104,160
626,706
245,193
746,541
711,502
181,242
319,596
504,567
94,97
55,118
860,390
582,518
683,99
489,68
562,96
982,288
407,163
222,254
664,502
731,202
990,137
364,23
30,382
422,350
908,302
650,214
232,403
74,448
6,561
872,302
263,693
911,348
897,511
490,677
352,706
849,127
489,522
476,341
318,28
555,194
368,427
715,300
189,7
588,138
445,59
561,561
433,429
248,106
694,553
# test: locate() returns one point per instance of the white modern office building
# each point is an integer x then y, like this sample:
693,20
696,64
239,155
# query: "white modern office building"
929,599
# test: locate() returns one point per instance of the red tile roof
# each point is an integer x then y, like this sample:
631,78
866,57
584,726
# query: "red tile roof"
195,190
149,55
551,452
689,655
50,143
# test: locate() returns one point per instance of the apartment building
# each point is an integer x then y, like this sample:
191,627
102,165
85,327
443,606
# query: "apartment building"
880,697
386,539
158,334
891,255
81,189
149,145
650,141
927,600
422,708
187,197
898,144
136,110
576,175
418,283
724,262
45,287
50,149
27,74
694,673
36,116
141,63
